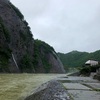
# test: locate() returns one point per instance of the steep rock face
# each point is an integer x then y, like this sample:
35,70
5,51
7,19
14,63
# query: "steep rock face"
46,59
18,52
15,37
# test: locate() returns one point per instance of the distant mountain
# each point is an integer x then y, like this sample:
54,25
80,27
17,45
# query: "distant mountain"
77,59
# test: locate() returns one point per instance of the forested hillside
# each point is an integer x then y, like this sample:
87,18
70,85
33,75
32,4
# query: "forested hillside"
77,59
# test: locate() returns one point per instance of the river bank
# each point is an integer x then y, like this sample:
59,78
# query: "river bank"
74,88
20,86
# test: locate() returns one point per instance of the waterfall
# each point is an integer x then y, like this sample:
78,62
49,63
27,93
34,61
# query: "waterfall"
15,61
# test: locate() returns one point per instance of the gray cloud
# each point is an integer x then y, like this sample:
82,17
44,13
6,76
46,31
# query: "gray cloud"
65,24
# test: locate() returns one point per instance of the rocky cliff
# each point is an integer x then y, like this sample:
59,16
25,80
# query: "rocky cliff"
17,45
45,55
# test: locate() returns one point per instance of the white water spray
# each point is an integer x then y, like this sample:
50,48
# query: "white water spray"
15,61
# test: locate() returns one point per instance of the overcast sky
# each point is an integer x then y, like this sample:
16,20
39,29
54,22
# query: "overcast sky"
65,24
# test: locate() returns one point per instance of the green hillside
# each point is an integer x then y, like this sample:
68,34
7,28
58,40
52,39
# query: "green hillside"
77,59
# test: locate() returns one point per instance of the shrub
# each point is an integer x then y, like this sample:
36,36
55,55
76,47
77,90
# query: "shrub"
88,69
46,65
85,71
25,63
23,36
5,31
17,11
5,54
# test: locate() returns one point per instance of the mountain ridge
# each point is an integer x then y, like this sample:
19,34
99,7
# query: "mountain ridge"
77,58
